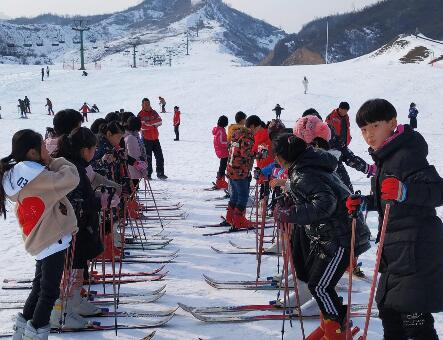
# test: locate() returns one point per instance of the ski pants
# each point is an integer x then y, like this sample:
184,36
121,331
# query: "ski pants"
404,326
413,122
240,193
222,167
176,131
85,116
324,274
163,108
154,146
45,289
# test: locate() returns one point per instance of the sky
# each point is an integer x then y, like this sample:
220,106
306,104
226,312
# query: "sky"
290,15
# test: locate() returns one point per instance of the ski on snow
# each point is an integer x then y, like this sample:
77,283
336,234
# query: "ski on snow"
98,328
242,252
128,314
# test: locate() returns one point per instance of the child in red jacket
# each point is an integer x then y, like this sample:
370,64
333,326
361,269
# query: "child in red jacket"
176,122
221,150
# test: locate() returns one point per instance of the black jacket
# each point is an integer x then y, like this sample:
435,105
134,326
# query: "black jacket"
319,204
412,260
87,207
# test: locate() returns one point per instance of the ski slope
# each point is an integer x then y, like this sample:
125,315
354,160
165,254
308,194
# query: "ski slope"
205,85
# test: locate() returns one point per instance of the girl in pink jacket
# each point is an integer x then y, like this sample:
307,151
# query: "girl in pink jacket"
221,150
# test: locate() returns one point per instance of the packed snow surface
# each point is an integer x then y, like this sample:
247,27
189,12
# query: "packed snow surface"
205,85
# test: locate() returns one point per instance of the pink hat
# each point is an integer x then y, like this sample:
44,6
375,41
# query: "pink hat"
310,127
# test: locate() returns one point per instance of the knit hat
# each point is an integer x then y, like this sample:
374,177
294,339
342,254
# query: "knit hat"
310,127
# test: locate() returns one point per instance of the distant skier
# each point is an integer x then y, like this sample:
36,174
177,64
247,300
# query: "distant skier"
27,104
49,105
305,84
43,73
94,108
162,103
413,113
47,71
176,122
84,110
278,109
84,74
22,107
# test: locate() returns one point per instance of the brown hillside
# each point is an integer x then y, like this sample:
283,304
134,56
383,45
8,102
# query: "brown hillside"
304,56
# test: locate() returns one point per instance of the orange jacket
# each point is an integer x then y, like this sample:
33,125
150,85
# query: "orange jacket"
334,120
150,123
176,118
261,139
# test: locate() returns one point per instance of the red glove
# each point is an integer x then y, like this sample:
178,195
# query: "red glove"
393,189
353,204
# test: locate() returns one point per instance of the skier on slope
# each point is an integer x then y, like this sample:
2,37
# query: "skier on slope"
413,113
176,122
278,109
411,281
22,107
38,184
317,204
49,105
162,103
240,162
221,150
305,84
43,73
27,103
84,110
78,148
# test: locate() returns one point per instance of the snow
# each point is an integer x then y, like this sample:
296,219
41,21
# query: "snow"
205,85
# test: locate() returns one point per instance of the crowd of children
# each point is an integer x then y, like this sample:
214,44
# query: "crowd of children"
306,165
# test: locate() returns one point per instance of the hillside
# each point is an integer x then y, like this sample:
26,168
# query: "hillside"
355,34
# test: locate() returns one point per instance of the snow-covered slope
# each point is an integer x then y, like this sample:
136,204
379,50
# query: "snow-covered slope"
408,49
206,85
49,39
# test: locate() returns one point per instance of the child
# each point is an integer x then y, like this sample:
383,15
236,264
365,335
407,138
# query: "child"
413,113
240,162
411,281
221,150
278,109
78,147
135,149
176,122
38,184
240,119
317,204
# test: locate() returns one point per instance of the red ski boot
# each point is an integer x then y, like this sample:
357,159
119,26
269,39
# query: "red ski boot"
240,220
221,183
319,332
107,254
230,214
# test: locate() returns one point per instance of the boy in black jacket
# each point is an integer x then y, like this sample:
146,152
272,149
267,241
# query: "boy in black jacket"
411,282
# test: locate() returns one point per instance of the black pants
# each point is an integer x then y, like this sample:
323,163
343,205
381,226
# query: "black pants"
50,110
413,122
45,289
222,167
404,326
85,116
177,133
324,274
163,108
154,146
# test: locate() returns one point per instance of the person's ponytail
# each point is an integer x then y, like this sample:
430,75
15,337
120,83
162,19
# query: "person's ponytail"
6,164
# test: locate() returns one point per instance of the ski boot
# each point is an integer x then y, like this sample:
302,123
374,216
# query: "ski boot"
230,214
31,333
221,183
81,305
304,295
240,221
19,327
69,319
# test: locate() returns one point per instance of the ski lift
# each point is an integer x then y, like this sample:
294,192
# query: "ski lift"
26,43
127,51
106,47
95,47
92,39
61,39
76,40
39,42
10,44
55,42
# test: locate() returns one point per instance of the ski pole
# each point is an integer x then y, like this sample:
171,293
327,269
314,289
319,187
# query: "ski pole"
377,266
351,261
289,232
155,202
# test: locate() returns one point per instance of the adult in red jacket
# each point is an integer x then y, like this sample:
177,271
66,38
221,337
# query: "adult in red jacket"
176,122
150,123
84,110
338,120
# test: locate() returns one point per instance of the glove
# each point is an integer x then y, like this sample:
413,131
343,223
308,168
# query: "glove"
354,204
257,173
140,165
371,170
393,189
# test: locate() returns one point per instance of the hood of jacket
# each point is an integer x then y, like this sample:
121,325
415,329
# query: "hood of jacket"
21,174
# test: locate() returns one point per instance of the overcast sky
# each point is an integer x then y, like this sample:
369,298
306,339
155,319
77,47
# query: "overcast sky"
287,14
